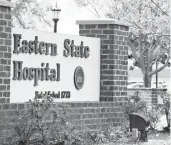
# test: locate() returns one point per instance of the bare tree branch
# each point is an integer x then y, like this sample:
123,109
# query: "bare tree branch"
162,67
159,8
133,49
26,12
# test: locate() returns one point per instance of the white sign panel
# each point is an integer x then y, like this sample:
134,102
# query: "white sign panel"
65,66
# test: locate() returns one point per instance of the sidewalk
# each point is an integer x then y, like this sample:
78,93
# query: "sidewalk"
157,142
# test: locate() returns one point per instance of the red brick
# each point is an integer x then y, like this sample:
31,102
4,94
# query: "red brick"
111,36
101,36
81,26
7,68
90,104
1,56
108,82
79,105
2,127
1,29
2,87
104,66
3,35
108,31
9,49
108,51
1,98
7,16
1,42
3,9
3,22
16,112
96,31
9,62
81,110
84,31
5,94
9,23
21,106
124,28
13,106
3,61
108,62
9,113
3,48
6,106
89,115
107,94
85,104
2,114
103,26
90,26
104,46
1,15
120,38
104,77
7,55
113,26
8,87
91,35
8,42
108,72
107,41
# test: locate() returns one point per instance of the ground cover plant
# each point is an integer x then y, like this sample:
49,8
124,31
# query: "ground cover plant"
47,124
153,112
43,124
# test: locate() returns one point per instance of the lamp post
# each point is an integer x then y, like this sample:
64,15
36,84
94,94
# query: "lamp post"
55,13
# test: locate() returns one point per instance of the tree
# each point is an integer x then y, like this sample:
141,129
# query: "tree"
27,12
147,15
147,51
149,41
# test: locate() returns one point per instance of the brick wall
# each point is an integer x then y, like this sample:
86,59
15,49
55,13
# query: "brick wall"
113,76
93,115
114,56
5,51
149,95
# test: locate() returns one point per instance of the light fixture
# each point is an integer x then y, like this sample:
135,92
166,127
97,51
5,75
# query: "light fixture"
55,13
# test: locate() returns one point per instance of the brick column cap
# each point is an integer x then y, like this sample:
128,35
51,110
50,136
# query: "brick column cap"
5,3
102,21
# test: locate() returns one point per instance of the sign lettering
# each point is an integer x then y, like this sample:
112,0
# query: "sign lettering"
56,65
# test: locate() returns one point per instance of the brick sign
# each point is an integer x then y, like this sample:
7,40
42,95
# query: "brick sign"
47,64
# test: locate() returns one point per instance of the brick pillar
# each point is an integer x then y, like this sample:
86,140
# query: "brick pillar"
5,50
114,56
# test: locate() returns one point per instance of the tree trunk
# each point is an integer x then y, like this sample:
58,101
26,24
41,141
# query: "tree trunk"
147,80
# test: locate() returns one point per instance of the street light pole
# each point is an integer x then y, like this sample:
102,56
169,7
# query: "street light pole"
55,25
55,12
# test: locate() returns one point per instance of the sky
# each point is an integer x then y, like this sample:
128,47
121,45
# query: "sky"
70,12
